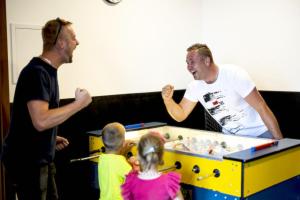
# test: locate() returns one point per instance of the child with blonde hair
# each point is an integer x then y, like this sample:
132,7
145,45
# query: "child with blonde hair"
149,183
112,165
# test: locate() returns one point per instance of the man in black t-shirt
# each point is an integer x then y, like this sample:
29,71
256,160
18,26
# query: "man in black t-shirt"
29,148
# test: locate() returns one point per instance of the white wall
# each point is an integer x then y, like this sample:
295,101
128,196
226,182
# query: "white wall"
140,45
262,36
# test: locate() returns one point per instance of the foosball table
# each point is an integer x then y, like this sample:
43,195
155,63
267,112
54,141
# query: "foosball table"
219,166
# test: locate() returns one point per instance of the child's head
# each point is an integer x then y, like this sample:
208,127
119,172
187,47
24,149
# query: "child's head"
113,136
150,149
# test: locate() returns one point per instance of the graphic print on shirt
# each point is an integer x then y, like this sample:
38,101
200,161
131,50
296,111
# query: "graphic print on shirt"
216,106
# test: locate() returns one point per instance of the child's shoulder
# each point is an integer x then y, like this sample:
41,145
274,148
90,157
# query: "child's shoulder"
131,177
172,179
132,174
112,156
173,183
173,175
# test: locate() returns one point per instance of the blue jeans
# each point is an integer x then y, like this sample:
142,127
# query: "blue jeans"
266,134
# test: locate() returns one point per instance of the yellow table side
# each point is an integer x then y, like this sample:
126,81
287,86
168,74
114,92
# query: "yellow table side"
271,170
95,143
229,181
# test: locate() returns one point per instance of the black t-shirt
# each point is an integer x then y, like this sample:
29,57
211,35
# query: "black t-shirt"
24,144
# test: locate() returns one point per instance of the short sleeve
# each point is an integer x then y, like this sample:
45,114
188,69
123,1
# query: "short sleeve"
190,92
38,85
127,186
242,82
173,184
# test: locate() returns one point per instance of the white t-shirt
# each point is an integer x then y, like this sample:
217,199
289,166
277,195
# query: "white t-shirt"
224,100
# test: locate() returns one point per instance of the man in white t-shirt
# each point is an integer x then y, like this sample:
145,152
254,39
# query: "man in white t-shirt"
227,93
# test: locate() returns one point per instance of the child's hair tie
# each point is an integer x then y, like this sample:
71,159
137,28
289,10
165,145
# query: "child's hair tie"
149,150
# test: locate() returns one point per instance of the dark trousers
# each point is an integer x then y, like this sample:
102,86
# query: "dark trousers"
35,182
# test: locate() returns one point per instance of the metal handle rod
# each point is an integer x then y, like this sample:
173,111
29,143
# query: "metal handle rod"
177,165
204,177
167,168
85,158
216,173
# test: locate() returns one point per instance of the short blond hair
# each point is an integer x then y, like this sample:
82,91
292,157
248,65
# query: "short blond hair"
51,32
202,50
113,136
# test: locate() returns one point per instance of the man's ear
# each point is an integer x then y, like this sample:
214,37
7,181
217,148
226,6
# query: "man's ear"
61,43
207,61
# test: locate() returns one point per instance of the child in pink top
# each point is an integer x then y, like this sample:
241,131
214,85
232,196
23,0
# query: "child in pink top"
149,183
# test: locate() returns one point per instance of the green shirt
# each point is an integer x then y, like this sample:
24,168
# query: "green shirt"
112,169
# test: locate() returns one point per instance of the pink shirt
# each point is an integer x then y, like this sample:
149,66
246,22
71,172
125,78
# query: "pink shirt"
164,187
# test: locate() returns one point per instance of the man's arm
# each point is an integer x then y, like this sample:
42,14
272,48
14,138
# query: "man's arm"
258,103
44,118
178,112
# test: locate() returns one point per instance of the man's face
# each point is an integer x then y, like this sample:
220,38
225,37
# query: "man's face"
196,65
70,43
